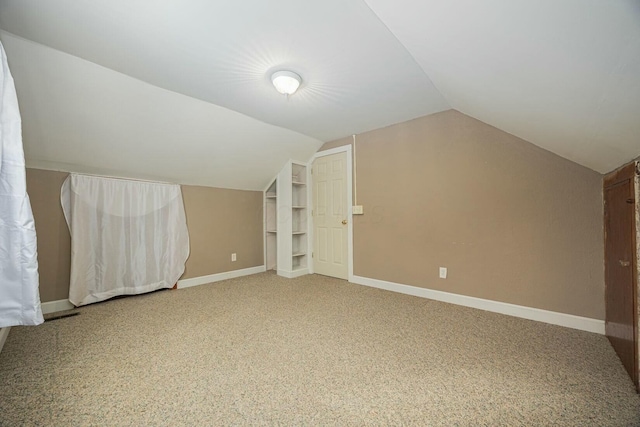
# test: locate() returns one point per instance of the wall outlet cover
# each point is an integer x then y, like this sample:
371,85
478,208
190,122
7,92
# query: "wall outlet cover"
443,272
233,257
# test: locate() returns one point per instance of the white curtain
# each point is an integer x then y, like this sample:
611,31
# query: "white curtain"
127,237
19,295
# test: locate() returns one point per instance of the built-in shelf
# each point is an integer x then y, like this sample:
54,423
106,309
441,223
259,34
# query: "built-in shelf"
299,217
271,226
299,263
286,221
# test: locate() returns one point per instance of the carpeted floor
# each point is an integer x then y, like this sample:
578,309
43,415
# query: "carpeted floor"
263,350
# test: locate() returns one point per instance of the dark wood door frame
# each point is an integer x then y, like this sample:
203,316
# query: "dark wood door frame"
621,177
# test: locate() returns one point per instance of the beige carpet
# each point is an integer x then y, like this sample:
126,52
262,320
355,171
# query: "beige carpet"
264,350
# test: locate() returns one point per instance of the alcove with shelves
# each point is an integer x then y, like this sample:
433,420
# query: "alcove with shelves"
286,222
299,215
271,226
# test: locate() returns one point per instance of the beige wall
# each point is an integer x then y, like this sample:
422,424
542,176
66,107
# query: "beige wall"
220,222
510,221
54,242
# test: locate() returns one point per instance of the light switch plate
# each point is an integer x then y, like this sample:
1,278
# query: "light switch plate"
358,210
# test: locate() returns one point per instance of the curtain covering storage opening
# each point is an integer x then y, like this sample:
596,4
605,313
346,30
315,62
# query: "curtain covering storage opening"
127,237
19,293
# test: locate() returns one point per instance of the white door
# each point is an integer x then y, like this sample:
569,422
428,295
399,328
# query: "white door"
330,216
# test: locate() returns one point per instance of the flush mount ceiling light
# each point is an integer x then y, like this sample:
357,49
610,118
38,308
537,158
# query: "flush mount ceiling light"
286,82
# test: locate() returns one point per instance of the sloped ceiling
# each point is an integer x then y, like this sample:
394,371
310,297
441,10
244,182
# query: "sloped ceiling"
81,117
564,75
180,91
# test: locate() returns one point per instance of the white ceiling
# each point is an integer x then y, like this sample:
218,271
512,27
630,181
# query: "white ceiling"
181,90
564,75
81,117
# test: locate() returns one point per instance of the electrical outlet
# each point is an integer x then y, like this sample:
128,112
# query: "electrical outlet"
233,257
443,272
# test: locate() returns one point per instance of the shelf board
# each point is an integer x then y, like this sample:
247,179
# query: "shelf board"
298,207
299,232
298,254
269,196
272,231
299,183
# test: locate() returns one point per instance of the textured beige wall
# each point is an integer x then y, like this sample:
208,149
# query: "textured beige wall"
220,222
510,221
54,241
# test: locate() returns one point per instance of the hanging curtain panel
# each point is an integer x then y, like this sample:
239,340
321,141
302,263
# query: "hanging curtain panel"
127,237
19,294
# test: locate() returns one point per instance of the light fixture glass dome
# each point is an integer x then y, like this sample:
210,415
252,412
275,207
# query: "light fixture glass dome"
286,82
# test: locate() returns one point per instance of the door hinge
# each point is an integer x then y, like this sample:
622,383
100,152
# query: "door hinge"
311,254
311,171
630,201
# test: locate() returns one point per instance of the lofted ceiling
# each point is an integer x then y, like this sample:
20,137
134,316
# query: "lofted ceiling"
564,75
180,91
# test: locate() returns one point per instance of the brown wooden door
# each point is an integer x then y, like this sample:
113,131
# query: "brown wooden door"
620,293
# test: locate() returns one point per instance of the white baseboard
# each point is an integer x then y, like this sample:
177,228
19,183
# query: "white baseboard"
196,281
54,306
293,274
4,333
64,304
552,317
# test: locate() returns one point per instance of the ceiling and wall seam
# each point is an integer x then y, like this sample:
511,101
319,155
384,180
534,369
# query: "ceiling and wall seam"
535,74
100,121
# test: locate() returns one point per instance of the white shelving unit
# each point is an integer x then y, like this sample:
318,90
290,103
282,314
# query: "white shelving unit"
286,219
299,215
271,226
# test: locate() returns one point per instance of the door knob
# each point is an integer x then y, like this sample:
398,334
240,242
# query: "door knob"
624,263
344,222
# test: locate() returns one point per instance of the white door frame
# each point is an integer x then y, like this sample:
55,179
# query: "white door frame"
343,149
